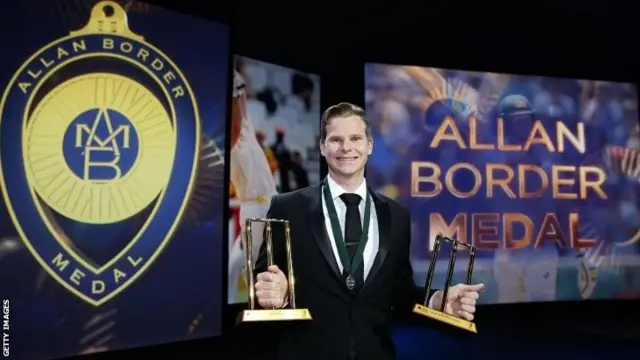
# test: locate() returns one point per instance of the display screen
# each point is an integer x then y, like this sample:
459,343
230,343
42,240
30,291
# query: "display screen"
112,130
274,149
540,174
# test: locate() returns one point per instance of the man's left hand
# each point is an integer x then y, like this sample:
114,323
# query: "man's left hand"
461,300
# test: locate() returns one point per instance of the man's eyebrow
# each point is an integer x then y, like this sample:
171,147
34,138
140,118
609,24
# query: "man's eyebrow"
350,135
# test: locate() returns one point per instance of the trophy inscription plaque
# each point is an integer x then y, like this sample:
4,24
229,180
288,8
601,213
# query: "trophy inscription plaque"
253,314
439,314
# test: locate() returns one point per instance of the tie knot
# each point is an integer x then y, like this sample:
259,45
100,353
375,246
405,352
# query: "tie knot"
351,199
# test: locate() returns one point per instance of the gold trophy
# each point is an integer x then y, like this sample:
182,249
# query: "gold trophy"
440,315
284,314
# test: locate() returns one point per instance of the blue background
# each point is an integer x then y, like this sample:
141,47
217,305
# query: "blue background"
402,133
179,296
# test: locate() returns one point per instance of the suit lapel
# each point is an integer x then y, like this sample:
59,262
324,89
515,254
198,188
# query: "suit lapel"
319,230
383,215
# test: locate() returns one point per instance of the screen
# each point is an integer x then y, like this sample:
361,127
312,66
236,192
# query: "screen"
112,122
540,174
274,149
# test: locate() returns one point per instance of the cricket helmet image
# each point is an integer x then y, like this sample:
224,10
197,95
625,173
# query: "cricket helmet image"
458,102
516,109
589,262
514,105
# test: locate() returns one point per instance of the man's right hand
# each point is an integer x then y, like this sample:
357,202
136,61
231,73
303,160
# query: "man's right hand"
271,288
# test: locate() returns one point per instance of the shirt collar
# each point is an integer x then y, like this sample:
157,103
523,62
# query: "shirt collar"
337,190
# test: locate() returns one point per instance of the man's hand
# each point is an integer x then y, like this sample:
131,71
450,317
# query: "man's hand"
271,288
461,300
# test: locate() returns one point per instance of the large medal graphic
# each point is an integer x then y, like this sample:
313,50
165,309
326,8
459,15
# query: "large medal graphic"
91,169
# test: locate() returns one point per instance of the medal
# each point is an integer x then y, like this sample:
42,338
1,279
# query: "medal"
350,265
350,282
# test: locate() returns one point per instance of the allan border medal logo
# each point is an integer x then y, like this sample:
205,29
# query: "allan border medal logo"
89,129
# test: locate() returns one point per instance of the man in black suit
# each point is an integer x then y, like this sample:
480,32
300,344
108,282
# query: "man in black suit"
352,270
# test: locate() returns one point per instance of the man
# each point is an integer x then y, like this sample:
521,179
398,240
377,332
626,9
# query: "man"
283,155
251,178
528,274
298,171
271,158
349,288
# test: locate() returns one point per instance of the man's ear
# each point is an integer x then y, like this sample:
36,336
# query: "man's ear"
370,147
321,144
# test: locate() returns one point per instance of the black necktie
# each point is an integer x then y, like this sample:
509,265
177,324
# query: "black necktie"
353,231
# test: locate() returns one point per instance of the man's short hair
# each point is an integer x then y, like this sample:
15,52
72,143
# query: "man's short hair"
343,109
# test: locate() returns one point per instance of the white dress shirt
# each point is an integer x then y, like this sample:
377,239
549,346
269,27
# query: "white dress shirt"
373,243
371,248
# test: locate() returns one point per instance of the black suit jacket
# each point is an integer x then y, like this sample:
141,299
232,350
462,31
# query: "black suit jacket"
337,315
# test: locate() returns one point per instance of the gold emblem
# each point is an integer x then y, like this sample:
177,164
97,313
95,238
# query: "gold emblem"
89,128
99,148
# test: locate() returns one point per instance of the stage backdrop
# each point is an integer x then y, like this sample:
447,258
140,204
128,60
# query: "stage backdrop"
540,174
111,129
275,149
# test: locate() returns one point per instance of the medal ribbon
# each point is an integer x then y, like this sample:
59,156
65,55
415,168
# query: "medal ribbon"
347,264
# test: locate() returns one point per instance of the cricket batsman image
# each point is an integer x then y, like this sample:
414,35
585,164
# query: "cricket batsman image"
252,179
526,274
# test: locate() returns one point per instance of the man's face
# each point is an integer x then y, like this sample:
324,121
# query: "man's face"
519,125
346,147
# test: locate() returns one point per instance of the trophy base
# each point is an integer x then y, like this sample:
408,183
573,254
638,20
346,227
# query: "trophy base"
274,315
445,318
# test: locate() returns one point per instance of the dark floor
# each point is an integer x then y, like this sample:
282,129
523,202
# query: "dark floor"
413,342
534,341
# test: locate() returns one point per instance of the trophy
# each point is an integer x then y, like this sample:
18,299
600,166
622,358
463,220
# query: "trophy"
253,314
440,315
